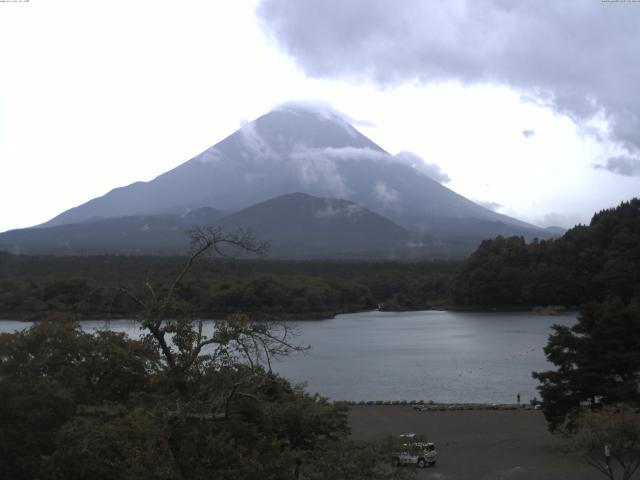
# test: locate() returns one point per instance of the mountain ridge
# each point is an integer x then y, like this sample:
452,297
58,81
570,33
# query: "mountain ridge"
296,225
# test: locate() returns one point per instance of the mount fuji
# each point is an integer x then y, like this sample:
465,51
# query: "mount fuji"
289,150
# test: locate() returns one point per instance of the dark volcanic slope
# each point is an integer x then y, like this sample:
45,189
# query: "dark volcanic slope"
150,234
302,225
295,225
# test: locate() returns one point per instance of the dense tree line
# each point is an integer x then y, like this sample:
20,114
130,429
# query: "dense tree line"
593,394
594,268
589,263
91,287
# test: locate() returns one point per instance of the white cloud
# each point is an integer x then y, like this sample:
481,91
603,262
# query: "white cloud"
385,194
494,206
256,147
315,168
346,211
321,108
342,153
210,156
431,170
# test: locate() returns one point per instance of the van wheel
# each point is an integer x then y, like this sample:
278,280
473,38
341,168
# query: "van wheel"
421,463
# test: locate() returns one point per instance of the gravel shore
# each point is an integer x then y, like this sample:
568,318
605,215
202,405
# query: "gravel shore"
477,444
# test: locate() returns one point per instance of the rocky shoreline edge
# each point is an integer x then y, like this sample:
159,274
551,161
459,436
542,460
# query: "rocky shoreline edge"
428,405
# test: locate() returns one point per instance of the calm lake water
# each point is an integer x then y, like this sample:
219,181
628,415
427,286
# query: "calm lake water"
433,355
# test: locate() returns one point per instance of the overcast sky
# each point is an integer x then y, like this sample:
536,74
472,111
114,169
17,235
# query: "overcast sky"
531,108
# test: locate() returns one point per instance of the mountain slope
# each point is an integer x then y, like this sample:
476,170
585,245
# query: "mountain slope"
142,234
295,150
245,168
295,225
302,225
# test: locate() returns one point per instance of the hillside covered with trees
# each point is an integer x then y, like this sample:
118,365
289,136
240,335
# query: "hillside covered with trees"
593,393
589,263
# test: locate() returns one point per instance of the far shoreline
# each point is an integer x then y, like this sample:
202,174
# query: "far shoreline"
549,310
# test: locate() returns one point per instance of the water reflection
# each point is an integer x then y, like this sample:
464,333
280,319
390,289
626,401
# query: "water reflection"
442,356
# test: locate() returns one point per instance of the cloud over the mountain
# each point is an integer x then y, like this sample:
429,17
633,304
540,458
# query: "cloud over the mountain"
342,153
324,110
343,211
319,164
385,194
211,156
255,146
315,167
579,58
431,170
493,206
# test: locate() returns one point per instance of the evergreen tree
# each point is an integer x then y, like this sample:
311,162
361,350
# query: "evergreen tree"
597,360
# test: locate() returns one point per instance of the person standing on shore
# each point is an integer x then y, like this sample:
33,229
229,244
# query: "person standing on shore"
518,397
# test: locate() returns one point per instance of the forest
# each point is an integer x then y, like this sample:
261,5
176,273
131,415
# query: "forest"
587,264
31,287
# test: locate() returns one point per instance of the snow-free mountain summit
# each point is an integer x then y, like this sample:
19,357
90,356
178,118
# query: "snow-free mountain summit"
292,150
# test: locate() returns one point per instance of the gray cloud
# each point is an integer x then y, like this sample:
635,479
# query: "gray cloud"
622,165
431,170
528,133
579,58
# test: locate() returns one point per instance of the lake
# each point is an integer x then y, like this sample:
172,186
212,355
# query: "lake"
432,355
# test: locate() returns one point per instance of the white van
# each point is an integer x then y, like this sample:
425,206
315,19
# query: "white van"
412,450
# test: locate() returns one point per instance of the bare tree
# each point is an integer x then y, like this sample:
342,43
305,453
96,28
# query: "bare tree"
610,441
187,351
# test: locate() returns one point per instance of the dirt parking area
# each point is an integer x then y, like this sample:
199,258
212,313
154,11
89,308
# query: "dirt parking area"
477,444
